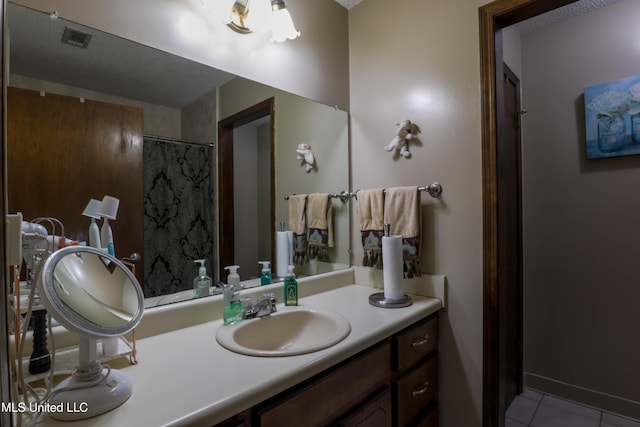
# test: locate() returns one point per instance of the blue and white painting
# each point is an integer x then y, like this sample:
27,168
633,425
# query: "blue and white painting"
612,113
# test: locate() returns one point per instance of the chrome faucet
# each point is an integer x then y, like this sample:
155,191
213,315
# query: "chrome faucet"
262,308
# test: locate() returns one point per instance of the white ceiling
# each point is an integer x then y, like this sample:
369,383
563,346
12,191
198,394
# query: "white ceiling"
574,9
349,3
109,64
563,13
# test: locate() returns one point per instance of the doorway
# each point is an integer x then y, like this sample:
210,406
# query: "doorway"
498,378
230,174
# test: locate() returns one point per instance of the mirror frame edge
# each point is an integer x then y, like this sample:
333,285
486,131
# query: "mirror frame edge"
5,360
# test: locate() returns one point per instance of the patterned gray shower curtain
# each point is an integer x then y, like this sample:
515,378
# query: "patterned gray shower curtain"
178,214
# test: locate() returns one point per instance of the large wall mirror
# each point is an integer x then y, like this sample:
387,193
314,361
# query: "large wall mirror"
103,115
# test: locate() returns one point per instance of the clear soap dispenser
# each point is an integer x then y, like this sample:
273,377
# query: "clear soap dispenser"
232,311
202,283
233,279
265,274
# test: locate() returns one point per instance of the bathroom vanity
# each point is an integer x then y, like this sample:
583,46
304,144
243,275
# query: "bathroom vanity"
392,383
385,369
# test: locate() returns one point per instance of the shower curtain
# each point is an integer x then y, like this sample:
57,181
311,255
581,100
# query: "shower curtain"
178,214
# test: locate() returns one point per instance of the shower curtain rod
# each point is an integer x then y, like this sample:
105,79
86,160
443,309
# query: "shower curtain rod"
176,141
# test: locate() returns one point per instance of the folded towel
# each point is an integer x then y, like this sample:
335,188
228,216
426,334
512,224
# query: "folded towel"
371,214
320,225
402,213
298,224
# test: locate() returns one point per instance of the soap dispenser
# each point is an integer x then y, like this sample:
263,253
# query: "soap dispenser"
202,283
290,287
232,310
233,279
265,274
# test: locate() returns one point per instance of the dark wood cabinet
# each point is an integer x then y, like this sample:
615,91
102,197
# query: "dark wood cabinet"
415,385
391,384
333,393
376,413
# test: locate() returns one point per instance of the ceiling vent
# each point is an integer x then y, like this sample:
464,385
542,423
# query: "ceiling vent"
76,37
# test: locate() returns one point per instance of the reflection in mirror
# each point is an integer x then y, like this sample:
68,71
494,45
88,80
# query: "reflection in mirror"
164,97
94,295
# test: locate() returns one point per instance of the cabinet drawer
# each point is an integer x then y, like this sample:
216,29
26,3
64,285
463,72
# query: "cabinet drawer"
330,397
415,390
415,343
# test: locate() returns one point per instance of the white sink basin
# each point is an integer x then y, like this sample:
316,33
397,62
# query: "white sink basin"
288,332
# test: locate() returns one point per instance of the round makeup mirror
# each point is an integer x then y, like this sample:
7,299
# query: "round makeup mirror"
94,295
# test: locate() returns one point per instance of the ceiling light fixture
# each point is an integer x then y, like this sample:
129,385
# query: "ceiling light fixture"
249,16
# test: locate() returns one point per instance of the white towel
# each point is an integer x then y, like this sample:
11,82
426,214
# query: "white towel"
402,213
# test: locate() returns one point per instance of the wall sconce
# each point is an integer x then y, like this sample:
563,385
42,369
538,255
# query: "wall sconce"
247,16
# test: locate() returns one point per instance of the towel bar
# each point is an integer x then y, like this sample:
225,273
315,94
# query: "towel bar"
343,195
434,189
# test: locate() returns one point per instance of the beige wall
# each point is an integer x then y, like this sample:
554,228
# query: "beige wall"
581,234
196,119
511,49
314,66
420,60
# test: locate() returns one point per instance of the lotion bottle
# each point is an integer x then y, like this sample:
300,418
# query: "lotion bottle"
202,283
265,274
290,287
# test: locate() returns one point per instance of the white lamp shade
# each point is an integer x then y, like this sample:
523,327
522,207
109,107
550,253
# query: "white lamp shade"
259,15
92,209
108,207
282,27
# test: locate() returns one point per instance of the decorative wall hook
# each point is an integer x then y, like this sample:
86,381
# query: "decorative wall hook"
406,131
305,154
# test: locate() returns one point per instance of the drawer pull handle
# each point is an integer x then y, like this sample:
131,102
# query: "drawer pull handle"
422,341
422,390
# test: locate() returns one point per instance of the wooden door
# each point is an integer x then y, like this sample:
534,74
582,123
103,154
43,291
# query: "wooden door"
64,151
510,243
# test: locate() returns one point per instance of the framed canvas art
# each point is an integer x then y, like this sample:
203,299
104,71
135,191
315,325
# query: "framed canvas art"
612,113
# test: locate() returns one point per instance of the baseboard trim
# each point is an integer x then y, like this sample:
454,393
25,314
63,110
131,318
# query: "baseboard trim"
603,401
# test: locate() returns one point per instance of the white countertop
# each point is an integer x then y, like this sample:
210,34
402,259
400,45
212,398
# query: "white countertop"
184,377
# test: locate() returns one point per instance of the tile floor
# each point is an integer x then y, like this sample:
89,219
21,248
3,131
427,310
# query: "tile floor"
535,409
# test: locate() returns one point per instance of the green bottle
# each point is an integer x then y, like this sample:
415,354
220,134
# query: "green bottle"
265,274
290,287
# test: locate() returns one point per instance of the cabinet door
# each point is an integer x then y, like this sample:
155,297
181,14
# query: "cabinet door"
331,396
376,413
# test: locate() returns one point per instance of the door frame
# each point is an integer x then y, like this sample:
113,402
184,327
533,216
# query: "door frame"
493,17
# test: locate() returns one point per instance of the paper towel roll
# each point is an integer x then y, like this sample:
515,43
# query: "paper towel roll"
283,253
392,267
